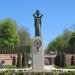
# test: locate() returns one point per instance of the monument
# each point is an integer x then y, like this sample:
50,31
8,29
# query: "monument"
37,46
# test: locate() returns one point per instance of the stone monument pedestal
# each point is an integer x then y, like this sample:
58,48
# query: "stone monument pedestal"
38,54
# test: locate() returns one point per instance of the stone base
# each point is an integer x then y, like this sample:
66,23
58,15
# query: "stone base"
47,68
38,56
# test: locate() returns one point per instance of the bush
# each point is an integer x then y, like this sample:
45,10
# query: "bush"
68,73
60,60
19,60
63,60
9,66
23,59
57,60
70,67
14,60
73,60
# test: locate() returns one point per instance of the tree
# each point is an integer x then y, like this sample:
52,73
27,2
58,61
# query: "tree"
25,39
63,59
19,60
72,43
14,60
57,60
12,39
73,60
66,37
8,32
24,60
56,45
61,43
60,59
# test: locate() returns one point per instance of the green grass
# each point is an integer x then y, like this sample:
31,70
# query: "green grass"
8,66
67,67
12,66
70,67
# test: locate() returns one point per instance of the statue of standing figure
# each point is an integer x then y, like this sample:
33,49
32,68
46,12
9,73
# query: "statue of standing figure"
37,22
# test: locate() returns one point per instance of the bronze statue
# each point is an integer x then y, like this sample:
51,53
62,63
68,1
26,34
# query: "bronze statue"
37,22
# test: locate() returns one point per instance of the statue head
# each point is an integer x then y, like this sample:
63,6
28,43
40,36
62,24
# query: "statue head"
37,14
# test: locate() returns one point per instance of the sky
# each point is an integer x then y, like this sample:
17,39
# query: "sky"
57,15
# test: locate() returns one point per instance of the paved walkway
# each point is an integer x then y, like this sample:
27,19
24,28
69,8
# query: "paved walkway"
49,67
46,67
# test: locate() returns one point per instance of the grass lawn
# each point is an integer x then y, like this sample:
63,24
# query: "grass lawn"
70,67
67,67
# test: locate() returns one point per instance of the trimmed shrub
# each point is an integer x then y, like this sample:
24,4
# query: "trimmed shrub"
63,60
60,59
23,59
67,73
57,59
19,60
73,60
70,67
14,60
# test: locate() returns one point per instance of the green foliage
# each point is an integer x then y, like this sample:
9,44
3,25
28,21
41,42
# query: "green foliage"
67,73
9,66
66,37
56,45
70,67
60,60
19,60
64,42
24,59
14,50
14,60
24,36
8,32
72,43
38,73
12,39
73,60
57,60
63,63
72,39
